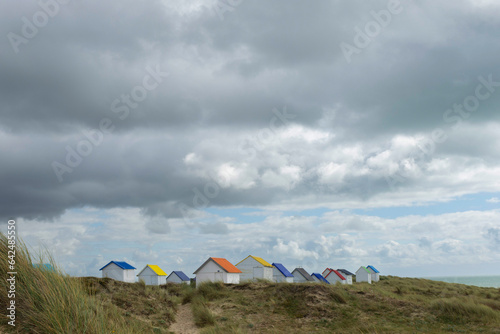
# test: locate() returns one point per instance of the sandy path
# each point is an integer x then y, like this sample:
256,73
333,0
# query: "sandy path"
184,321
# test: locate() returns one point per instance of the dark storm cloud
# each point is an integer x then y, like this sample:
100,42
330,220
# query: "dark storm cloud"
224,79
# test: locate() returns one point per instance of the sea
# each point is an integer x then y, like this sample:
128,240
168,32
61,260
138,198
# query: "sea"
483,281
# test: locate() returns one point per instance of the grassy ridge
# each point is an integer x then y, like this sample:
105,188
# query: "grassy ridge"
393,305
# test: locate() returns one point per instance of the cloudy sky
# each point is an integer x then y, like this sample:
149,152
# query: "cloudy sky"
325,134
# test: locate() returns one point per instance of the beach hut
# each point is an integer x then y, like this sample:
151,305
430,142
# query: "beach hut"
333,276
347,274
152,275
217,269
281,274
318,278
119,270
375,273
253,267
44,266
363,275
178,277
300,275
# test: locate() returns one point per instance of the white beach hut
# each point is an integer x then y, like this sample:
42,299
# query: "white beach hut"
253,267
281,274
333,276
375,273
363,275
119,270
217,269
178,277
152,275
300,275
347,274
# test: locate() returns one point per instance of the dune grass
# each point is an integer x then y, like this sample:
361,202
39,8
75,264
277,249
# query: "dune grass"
393,305
460,310
200,300
48,301
152,305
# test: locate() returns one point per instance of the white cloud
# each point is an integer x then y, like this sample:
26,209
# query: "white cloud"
293,250
82,242
191,158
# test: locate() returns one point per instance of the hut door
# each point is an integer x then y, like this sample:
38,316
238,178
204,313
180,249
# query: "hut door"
258,272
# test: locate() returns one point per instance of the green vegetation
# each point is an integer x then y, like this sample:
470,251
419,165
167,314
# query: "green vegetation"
51,302
152,305
201,297
393,305
463,310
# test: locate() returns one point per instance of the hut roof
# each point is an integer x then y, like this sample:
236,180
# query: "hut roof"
258,259
320,278
223,264
336,272
364,269
121,264
181,275
156,269
282,269
345,272
304,273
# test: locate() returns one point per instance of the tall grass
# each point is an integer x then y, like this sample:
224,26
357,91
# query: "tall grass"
464,310
201,312
51,302
200,298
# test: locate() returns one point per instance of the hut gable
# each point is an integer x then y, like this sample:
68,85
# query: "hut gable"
281,274
363,275
120,264
119,270
221,263
152,274
217,270
254,267
300,275
334,276
374,272
319,278
178,277
152,269
347,274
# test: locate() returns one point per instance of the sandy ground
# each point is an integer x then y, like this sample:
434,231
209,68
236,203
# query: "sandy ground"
184,321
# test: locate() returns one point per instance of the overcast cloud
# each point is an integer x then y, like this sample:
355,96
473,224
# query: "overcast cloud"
133,130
